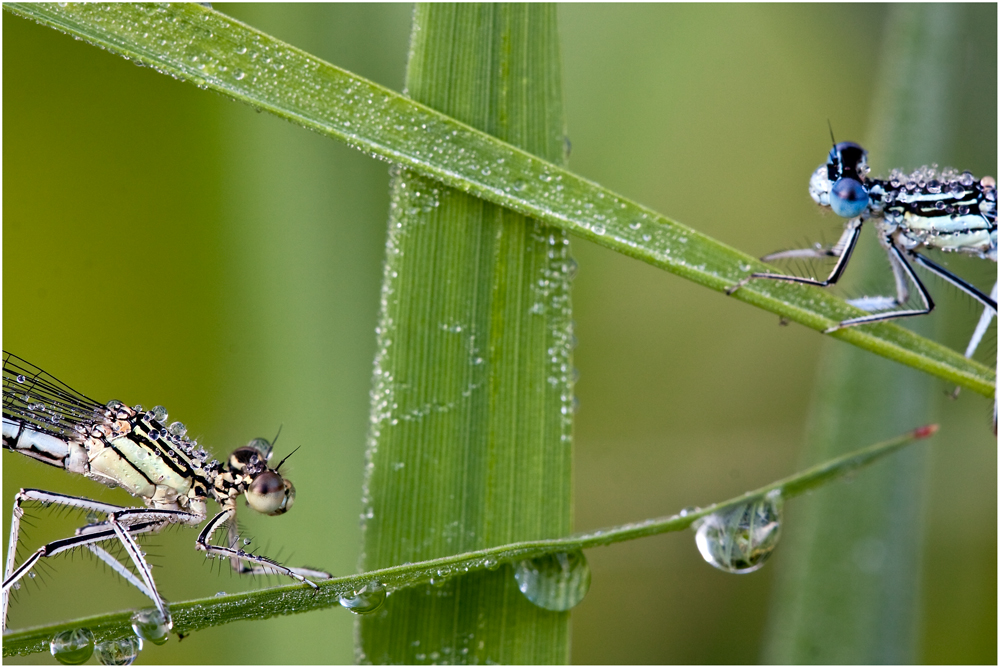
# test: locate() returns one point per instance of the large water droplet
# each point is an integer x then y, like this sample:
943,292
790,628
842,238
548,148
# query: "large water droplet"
555,581
150,625
72,647
159,414
740,538
118,652
365,600
177,429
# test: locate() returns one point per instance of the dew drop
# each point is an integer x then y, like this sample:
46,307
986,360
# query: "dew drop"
150,625
159,414
740,538
118,652
177,429
72,647
555,581
238,75
20,378
366,600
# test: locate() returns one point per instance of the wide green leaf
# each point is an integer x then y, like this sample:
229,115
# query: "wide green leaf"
213,51
472,399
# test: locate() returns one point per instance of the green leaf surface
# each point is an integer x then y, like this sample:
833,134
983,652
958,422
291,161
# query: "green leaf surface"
213,51
190,616
470,444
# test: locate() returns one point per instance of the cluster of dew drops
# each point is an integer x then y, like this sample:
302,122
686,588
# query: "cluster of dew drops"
76,646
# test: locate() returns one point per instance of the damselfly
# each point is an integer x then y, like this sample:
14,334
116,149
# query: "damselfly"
128,447
946,210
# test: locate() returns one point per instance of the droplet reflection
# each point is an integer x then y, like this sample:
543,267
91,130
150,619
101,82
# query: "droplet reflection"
118,652
740,538
366,600
555,581
150,625
72,647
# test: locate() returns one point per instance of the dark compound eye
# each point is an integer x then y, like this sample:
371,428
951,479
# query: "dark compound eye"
270,494
848,198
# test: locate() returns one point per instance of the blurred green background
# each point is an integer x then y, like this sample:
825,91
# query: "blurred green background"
162,244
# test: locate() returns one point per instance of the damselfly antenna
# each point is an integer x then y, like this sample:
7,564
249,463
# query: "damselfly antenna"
278,467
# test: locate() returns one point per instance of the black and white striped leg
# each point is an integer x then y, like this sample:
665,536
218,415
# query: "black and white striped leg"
845,247
262,565
984,322
123,523
244,568
963,285
40,496
895,254
120,569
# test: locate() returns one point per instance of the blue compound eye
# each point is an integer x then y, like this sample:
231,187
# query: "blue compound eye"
848,198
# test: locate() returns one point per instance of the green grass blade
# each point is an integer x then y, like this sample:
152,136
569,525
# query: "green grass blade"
199,614
204,47
470,443
851,591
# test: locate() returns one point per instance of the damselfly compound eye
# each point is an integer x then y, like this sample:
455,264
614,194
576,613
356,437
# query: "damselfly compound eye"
270,494
848,198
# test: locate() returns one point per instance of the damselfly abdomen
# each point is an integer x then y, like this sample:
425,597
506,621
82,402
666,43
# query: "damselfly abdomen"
125,446
927,209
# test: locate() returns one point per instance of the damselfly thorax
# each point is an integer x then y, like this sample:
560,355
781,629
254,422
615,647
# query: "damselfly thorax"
927,209
125,446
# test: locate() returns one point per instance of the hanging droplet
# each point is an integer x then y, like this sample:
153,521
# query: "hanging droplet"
555,581
118,652
740,538
366,600
150,625
72,647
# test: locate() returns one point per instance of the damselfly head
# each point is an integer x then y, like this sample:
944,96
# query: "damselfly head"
840,182
268,492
